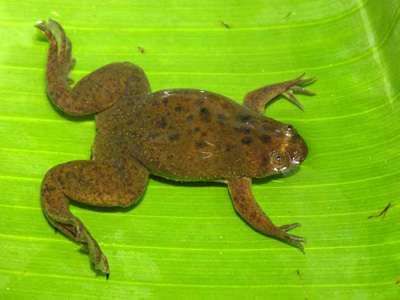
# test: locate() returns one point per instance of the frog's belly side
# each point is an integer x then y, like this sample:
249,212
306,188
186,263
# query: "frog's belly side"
199,136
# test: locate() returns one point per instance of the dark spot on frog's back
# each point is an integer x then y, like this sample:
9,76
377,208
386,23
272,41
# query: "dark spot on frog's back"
189,118
174,137
152,136
178,108
243,129
200,144
221,117
266,127
199,102
247,140
244,118
205,115
165,101
162,123
265,139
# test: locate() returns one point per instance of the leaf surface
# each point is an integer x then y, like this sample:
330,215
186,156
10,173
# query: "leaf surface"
186,241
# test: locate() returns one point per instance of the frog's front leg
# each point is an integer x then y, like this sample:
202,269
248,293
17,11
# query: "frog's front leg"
257,99
112,179
96,91
247,207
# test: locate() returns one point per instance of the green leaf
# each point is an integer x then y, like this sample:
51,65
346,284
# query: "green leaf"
186,241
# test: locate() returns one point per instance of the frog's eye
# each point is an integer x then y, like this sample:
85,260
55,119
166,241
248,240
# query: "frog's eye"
289,130
277,159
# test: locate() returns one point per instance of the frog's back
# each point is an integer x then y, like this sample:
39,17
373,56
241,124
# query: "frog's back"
197,135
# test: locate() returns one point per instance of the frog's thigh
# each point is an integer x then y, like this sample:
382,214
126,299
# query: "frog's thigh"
247,207
94,183
101,184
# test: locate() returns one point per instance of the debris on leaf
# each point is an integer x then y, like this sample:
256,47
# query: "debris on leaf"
382,213
226,25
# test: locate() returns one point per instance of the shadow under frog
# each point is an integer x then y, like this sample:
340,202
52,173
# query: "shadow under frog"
179,134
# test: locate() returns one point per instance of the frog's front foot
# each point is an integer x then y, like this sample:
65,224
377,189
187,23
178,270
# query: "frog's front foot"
291,239
257,99
294,86
247,207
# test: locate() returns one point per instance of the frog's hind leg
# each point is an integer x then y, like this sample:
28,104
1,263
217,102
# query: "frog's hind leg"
94,92
247,207
257,99
107,182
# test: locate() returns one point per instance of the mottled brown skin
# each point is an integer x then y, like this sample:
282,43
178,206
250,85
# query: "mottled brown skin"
180,134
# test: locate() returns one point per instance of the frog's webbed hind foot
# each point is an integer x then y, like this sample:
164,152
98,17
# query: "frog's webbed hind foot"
96,91
74,228
257,99
60,48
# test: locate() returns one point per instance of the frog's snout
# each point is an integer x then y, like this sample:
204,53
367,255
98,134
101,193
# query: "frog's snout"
298,151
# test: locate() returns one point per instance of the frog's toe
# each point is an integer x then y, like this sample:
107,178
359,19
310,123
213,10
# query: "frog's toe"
290,226
292,239
102,265
96,255
53,28
295,87
289,95
68,60
295,240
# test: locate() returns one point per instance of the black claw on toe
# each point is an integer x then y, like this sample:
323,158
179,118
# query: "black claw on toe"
107,276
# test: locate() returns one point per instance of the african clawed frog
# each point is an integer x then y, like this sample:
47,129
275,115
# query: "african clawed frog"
180,134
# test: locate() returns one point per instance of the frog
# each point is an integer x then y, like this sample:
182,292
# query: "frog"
184,135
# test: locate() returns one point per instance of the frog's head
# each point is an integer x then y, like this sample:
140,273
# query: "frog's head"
289,152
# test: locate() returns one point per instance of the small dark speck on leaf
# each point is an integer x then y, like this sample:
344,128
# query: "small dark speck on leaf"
141,50
398,281
226,25
288,15
382,213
